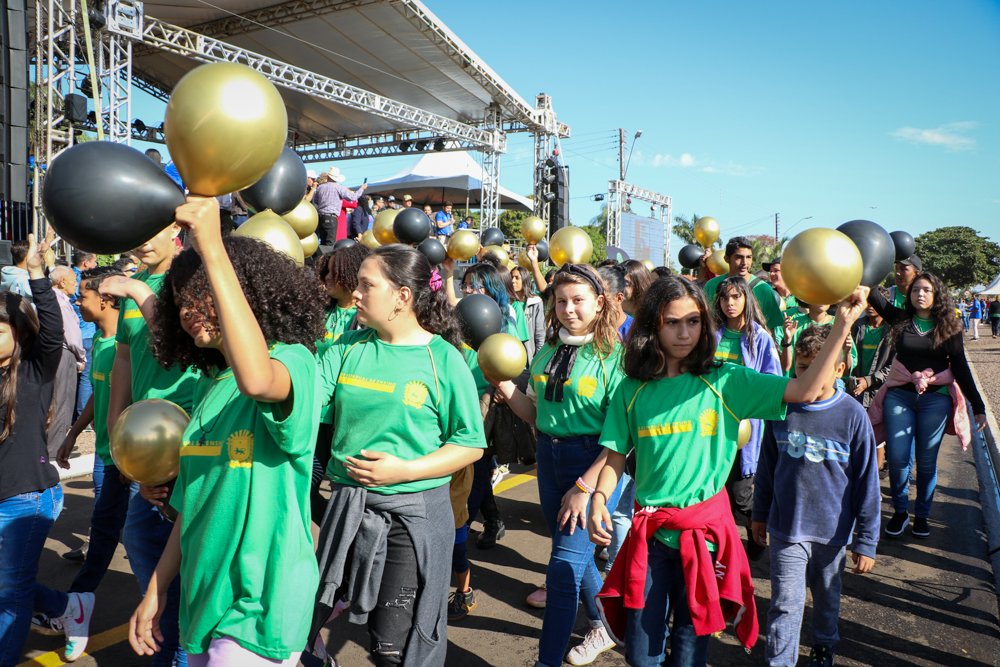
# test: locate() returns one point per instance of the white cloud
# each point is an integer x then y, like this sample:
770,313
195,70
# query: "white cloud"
688,161
949,136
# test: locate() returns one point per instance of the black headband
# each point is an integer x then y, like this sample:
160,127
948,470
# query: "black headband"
586,273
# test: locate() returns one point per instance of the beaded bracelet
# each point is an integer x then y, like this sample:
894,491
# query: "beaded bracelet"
583,486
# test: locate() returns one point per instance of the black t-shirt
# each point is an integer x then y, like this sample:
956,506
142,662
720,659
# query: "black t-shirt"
24,459
917,351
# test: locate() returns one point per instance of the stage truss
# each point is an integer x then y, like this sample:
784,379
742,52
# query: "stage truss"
620,194
128,33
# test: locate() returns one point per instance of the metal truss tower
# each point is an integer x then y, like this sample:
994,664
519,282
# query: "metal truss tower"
491,170
619,193
543,150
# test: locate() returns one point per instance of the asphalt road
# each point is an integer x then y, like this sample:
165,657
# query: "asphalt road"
927,603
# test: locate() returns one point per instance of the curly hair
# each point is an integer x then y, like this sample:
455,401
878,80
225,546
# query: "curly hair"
402,266
811,341
344,264
604,326
643,358
946,323
91,279
287,302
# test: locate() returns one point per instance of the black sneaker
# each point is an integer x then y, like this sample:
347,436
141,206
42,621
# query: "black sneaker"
822,656
493,530
754,550
920,528
897,523
77,555
460,604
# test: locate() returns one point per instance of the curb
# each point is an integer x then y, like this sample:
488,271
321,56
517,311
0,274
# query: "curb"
987,457
79,466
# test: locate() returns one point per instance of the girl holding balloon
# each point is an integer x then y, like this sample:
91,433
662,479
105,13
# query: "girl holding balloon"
573,378
248,319
741,337
680,409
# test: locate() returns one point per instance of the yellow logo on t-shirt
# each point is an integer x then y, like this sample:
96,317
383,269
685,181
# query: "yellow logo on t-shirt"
240,445
415,394
586,386
99,376
709,422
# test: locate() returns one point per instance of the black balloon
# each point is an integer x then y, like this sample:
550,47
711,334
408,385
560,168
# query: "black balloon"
543,251
480,317
491,236
689,256
904,245
411,226
107,198
434,251
344,243
876,247
282,188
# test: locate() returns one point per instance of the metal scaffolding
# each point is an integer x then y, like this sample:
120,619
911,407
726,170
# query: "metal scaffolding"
620,193
491,170
543,150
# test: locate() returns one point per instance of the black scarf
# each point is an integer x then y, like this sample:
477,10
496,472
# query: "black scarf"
558,369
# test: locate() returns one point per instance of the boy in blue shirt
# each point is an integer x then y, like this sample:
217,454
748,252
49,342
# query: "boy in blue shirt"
817,479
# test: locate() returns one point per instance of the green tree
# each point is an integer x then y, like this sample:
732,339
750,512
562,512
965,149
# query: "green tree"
600,242
684,230
510,223
959,256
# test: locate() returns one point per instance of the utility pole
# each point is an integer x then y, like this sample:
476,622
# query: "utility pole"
775,227
621,153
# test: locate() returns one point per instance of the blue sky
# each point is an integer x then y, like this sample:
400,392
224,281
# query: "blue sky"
888,111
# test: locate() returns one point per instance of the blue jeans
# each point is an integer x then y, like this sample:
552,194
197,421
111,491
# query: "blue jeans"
146,534
83,387
622,519
239,220
106,523
918,420
646,633
793,566
25,521
572,576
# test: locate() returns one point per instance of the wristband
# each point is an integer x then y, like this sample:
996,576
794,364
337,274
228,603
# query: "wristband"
603,494
784,344
583,486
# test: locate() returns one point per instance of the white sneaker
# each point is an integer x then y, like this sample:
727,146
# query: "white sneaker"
75,623
498,475
596,642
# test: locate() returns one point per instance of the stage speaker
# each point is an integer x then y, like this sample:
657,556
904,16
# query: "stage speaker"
6,259
75,108
14,101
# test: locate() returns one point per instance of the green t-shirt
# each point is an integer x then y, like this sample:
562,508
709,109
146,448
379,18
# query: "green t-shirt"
585,395
149,378
872,337
102,360
684,434
472,360
520,323
729,349
923,326
899,299
788,304
404,400
766,297
802,322
337,322
247,551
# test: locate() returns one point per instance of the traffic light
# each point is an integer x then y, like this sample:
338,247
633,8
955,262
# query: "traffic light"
555,191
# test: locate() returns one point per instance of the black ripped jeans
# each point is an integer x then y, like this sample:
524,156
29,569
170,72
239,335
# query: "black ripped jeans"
390,623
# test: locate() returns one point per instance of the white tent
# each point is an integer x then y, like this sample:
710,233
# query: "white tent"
439,177
992,288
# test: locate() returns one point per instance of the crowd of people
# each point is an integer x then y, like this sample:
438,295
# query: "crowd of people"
659,410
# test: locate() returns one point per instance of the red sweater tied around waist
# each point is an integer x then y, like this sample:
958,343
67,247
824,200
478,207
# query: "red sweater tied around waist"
717,591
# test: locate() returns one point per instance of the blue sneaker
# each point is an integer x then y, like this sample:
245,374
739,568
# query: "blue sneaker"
822,656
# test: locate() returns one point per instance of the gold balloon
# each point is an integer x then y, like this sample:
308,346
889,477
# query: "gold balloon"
271,228
498,252
310,245
717,263
225,127
570,244
522,259
533,229
821,266
510,264
746,430
463,245
303,219
502,357
382,229
706,231
368,239
146,441
648,264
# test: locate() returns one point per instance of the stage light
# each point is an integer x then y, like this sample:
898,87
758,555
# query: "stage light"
439,145
422,144
404,146
549,162
139,126
549,197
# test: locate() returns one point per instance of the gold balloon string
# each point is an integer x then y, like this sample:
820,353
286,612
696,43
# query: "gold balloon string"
320,48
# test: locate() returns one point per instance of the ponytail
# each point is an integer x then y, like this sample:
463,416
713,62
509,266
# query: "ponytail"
404,266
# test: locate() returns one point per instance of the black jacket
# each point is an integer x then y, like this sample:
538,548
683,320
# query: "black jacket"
357,223
875,375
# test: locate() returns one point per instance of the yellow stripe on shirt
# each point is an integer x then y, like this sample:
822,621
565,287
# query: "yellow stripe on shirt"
666,429
365,383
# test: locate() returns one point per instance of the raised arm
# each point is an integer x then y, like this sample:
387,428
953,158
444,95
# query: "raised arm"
889,312
50,322
536,271
258,376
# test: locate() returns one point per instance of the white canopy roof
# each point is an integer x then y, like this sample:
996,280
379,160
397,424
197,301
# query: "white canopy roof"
439,177
993,287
